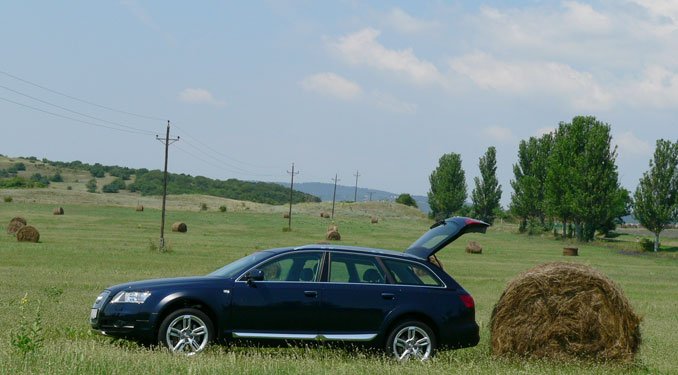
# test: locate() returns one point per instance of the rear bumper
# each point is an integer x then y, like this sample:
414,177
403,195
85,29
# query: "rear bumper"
460,336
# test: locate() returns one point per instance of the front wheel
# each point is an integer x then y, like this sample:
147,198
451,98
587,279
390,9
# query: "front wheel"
411,339
186,331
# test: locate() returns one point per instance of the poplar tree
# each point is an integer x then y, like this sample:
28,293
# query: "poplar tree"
656,197
448,187
487,191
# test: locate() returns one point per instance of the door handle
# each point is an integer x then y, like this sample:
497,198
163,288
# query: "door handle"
311,293
388,296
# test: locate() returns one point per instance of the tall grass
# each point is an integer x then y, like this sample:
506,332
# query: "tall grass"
94,246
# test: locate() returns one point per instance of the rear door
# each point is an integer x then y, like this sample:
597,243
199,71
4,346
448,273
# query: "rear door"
356,297
443,233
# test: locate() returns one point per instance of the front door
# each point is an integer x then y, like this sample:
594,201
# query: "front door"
283,305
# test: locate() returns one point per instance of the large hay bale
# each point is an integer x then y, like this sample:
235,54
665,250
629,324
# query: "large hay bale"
15,224
374,220
28,233
324,215
564,311
333,235
179,227
286,215
474,248
140,207
571,251
58,211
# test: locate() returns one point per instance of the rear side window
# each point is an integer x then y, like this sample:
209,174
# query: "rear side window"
409,273
350,268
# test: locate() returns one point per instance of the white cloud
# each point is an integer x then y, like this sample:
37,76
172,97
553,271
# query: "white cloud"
666,9
583,17
530,77
362,48
405,23
333,85
657,88
499,134
628,143
392,104
191,95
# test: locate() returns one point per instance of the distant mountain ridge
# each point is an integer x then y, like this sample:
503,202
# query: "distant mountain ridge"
324,191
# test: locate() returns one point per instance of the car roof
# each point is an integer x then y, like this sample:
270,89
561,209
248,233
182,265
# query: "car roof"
352,249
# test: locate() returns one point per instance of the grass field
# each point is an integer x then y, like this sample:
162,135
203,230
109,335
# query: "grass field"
101,240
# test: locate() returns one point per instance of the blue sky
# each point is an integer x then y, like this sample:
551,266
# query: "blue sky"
385,88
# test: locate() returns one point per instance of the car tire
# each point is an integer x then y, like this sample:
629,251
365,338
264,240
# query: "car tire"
411,339
187,331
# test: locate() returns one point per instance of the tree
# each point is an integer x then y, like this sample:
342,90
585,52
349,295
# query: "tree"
448,187
527,200
582,182
656,197
487,191
407,200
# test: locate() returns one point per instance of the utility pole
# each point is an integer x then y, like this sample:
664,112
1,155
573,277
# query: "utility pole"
289,222
334,195
355,194
166,141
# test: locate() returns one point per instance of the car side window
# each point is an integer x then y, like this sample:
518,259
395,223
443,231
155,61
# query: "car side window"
411,273
293,267
350,268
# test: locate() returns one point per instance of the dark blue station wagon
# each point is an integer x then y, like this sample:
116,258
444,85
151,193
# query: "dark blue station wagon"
402,302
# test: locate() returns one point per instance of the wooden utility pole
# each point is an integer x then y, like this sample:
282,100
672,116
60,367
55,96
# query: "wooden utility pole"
334,195
355,194
289,222
166,141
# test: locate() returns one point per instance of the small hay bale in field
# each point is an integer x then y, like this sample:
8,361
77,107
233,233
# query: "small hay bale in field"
374,220
325,215
15,224
564,311
474,248
333,235
59,211
571,251
140,207
286,215
28,233
179,227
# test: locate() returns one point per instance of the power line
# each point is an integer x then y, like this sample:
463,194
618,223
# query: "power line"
74,112
334,195
355,193
167,141
289,216
81,100
75,119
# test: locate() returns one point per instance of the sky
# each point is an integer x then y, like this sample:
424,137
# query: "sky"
384,88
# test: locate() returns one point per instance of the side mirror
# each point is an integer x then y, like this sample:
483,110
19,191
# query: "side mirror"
254,275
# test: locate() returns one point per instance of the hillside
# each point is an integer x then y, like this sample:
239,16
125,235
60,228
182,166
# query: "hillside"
33,173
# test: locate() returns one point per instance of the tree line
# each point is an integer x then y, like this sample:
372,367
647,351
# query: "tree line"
566,182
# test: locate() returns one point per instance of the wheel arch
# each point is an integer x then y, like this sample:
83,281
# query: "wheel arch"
410,315
181,301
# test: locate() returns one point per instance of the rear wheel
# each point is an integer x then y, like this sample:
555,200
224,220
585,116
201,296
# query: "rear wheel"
186,331
411,340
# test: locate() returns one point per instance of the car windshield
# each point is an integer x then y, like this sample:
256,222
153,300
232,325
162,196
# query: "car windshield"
234,269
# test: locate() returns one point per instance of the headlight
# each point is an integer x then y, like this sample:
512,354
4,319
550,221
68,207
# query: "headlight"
130,297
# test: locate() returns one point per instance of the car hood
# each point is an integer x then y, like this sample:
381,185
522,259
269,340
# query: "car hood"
161,283
443,233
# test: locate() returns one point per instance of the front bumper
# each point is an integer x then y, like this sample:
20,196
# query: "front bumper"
122,319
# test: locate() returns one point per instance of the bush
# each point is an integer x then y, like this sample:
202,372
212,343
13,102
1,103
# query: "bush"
7,199
222,208
91,186
406,199
203,206
115,186
57,178
646,244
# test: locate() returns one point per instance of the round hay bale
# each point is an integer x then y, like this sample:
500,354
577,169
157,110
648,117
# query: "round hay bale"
325,215
571,251
564,311
58,211
28,233
15,224
474,248
374,220
179,227
140,207
333,235
286,215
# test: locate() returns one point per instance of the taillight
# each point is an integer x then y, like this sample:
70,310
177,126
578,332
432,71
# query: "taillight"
467,300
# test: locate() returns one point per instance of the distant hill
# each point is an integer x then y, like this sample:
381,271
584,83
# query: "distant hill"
31,173
346,193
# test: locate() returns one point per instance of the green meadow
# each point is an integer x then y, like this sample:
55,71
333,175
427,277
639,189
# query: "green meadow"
47,288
